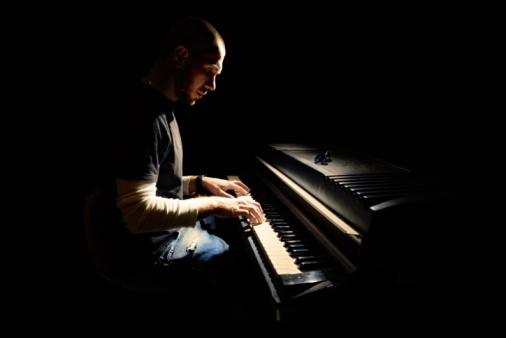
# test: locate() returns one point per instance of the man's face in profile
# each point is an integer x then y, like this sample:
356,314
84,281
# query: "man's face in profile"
198,76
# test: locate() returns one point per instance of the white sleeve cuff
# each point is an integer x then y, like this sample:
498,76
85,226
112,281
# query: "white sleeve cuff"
186,185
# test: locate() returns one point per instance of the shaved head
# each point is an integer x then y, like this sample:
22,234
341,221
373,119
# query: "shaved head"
189,61
196,34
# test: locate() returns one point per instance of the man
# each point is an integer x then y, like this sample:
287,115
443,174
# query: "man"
161,240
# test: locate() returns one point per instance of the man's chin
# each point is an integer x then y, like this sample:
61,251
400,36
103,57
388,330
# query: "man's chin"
188,101
191,102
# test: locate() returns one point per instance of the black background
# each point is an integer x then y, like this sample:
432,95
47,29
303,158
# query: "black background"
411,85
414,85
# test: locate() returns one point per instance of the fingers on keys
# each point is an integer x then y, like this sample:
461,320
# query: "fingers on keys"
240,188
255,212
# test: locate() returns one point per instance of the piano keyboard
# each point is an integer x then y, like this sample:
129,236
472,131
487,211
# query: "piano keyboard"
291,249
280,259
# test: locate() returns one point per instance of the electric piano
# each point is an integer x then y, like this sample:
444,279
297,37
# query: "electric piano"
340,223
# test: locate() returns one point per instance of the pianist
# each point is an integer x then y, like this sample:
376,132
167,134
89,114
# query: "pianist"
160,238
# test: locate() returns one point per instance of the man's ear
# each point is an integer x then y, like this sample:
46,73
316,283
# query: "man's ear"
180,55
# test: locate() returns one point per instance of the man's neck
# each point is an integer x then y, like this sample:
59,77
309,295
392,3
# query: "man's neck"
162,81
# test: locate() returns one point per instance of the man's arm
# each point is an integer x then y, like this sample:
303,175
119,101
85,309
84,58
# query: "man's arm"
216,186
143,211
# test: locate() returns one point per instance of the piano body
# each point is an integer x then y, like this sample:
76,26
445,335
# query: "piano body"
356,227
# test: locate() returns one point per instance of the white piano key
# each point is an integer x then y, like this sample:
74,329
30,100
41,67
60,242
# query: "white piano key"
275,251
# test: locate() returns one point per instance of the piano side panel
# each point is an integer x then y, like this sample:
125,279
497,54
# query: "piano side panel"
445,243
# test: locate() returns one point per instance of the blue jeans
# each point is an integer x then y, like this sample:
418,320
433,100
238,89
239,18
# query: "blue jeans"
192,247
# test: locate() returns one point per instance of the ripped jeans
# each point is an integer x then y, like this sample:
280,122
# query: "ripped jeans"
197,260
192,247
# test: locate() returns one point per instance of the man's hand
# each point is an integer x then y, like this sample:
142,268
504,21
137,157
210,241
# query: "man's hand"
219,187
240,206
222,204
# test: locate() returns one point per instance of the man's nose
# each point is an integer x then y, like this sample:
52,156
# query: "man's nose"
211,84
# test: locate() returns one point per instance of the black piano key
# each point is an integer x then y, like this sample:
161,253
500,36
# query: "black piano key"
288,220
318,263
288,224
297,232
288,237
299,243
295,246
310,258
294,242
278,228
285,232
272,214
273,221
294,236
274,208
304,250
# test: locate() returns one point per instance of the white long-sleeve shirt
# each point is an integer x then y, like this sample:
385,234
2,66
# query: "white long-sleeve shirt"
143,211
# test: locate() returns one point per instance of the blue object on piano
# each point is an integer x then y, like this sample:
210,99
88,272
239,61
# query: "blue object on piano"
323,158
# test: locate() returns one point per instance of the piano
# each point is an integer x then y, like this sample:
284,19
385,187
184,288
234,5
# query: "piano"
355,227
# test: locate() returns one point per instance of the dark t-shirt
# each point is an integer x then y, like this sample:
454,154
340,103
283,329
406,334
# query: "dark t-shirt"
140,141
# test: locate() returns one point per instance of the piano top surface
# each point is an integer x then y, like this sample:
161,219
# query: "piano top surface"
343,162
